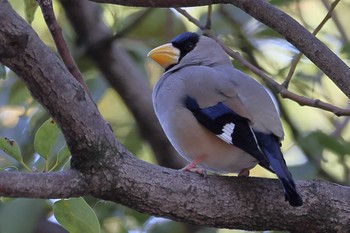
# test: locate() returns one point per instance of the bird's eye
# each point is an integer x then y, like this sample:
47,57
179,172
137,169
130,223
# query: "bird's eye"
189,46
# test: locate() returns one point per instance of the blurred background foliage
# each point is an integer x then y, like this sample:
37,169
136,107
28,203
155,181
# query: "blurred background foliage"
316,144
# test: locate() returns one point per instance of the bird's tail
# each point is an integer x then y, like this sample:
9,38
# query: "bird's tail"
269,144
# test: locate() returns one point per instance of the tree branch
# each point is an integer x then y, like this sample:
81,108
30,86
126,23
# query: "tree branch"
279,21
104,169
226,202
62,48
64,184
337,23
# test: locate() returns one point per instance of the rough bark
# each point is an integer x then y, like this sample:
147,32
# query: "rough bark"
216,201
103,168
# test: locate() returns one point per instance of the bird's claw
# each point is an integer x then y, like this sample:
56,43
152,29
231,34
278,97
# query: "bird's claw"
192,167
198,170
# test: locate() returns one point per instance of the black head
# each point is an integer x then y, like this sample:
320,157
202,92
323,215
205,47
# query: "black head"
185,42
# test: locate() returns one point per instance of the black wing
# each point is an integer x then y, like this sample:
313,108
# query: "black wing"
236,130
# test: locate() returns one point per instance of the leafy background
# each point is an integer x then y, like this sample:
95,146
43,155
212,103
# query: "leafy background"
316,144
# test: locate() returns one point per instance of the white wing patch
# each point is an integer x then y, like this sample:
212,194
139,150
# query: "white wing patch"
227,132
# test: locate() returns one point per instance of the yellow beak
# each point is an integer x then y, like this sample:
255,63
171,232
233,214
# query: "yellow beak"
165,55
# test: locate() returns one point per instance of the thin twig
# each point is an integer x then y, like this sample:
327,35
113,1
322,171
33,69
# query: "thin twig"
190,18
303,101
209,13
62,48
337,23
298,57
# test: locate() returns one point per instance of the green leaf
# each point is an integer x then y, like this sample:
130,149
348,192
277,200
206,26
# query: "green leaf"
45,138
2,71
11,148
62,156
317,141
76,216
30,8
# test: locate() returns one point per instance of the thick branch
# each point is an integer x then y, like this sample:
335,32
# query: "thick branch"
279,21
43,185
227,202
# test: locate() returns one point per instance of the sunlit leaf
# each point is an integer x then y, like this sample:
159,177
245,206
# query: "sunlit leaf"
30,8
2,71
11,148
45,138
76,216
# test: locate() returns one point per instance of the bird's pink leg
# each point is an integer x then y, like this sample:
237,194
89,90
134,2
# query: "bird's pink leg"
192,167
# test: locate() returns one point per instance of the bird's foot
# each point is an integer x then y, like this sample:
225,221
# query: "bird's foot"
192,167
244,172
198,170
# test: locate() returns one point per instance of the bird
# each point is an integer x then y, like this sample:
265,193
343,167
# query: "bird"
215,116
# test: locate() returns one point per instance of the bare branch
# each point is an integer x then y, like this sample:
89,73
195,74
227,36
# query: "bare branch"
337,23
65,184
190,18
226,202
209,13
56,32
303,101
279,21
